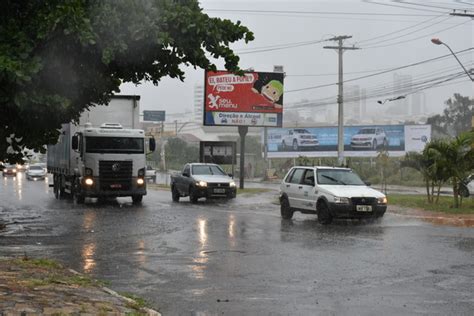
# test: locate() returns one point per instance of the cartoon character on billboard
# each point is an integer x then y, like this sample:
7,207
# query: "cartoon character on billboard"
272,91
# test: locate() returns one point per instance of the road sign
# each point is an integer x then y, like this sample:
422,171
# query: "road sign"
154,116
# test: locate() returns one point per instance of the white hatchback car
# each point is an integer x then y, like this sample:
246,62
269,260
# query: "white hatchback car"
330,193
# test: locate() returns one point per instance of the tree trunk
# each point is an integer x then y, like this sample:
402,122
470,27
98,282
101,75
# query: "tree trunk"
455,193
437,193
428,191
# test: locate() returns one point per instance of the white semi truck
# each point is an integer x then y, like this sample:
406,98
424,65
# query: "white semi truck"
104,155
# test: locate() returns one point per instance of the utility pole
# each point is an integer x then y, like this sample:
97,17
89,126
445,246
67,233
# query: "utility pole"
340,99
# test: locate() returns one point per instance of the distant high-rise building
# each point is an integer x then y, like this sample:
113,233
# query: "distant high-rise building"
198,103
402,84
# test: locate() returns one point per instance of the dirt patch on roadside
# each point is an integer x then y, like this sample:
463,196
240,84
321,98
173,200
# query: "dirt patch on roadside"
44,287
437,218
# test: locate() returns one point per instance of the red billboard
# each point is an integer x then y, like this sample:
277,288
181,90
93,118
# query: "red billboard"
253,99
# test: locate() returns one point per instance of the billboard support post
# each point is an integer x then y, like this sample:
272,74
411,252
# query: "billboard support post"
242,132
265,151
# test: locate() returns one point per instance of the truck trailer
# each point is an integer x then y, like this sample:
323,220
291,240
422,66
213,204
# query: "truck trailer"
104,155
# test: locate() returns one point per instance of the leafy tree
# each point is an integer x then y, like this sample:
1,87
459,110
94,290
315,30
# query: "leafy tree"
178,152
456,118
456,158
59,57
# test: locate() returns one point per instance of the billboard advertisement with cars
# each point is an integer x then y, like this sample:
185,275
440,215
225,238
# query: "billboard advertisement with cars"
359,141
253,99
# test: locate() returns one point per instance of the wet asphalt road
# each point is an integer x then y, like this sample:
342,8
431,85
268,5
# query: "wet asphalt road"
240,258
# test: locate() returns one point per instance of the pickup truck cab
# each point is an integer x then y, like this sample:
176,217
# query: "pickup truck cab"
199,180
330,193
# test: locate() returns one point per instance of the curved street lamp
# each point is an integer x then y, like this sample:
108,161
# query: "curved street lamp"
437,41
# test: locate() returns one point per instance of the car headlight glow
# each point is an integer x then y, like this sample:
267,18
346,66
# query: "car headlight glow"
89,181
232,184
341,200
201,184
14,170
140,181
382,200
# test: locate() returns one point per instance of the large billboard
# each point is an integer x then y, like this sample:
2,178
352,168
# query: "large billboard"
359,141
254,99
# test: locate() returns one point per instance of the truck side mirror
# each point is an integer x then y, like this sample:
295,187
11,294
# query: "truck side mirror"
152,144
75,143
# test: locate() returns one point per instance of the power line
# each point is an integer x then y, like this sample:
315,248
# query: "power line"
280,48
423,5
399,6
409,33
417,38
320,12
380,73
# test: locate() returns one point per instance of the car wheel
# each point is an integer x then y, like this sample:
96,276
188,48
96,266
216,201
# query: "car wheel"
374,145
175,194
192,195
463,190
285,209
137,199
324,216
295,145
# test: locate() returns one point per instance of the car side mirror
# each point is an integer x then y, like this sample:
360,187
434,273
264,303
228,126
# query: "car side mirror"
152,144
230,175
75,143
367,183
185,174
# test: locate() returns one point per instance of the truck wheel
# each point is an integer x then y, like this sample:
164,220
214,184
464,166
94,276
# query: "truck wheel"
174,194
192,195
285,209
137,199
295,145
324,216
77,197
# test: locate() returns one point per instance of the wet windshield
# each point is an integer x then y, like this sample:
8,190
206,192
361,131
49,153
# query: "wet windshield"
116,145
207,170
338,177
36,168
367,131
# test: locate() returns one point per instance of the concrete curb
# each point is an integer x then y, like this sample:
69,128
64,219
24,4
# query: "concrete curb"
148,311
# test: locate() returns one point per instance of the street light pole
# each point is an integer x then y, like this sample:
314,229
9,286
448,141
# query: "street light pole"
437,41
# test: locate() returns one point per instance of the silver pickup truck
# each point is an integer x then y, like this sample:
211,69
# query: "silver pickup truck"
199,180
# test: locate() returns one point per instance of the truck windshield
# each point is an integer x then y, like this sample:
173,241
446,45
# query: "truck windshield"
116,145
338,177
207,170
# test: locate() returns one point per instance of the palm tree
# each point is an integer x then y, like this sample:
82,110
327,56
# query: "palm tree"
454,158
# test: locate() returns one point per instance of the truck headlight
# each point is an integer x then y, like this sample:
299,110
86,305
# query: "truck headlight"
89,181
382,200
232,184
140,181
201,184
341,200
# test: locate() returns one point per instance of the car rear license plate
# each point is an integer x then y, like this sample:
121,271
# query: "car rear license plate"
364,208
116,186
219,190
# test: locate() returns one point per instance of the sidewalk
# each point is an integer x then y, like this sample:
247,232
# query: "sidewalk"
43,287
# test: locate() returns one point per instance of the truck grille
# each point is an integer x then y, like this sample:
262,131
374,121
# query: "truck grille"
115,175
363,200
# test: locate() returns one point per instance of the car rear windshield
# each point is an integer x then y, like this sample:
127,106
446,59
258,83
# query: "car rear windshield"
338,177
207,170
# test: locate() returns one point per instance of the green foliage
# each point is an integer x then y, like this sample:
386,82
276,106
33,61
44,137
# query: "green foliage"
455,119
178,153
57,58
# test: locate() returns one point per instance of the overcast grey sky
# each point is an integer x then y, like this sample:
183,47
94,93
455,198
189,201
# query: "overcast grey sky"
389,33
